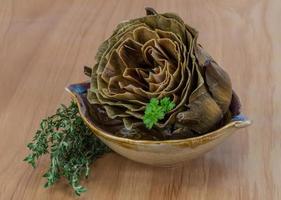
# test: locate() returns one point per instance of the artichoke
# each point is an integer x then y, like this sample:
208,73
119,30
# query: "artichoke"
158,56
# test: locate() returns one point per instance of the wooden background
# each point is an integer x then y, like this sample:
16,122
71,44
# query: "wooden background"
43,47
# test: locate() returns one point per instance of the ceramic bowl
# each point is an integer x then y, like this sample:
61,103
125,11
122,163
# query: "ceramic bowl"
160,153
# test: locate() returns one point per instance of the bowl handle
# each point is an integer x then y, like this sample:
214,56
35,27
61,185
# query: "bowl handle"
241,121
242,124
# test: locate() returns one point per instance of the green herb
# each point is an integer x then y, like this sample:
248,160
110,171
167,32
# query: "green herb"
156,110
71,145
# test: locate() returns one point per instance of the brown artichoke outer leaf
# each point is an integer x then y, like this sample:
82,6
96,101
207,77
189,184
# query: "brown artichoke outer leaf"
235,104
150,11
210,101
202,111
217,80
219,85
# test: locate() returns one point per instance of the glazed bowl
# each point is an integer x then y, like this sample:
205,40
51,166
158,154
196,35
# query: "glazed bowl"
159,153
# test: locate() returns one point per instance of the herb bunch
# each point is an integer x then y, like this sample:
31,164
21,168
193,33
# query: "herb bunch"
71,145
156,110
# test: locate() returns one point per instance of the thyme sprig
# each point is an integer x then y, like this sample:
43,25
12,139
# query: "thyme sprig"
71,145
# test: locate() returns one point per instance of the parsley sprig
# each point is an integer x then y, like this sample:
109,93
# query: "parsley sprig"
71,145
156,110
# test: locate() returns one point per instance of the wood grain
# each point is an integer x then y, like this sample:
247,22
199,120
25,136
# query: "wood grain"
43,47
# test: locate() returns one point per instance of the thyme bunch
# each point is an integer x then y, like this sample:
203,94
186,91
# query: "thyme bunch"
71,145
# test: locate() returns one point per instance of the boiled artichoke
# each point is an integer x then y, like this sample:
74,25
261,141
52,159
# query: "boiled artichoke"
158,56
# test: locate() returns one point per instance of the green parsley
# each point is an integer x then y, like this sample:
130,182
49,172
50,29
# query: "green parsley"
156,110
71,145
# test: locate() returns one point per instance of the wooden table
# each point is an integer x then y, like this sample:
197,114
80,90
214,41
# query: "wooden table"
43,47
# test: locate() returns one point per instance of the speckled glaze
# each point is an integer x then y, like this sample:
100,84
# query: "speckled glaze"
159,153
